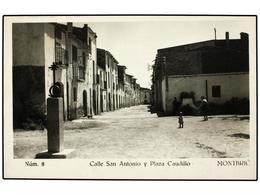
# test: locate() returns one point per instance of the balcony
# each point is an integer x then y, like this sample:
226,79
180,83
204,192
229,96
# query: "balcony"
78,72
61,55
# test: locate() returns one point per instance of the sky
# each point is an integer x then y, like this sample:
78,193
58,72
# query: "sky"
135,43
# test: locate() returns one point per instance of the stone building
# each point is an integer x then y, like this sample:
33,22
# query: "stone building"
35,47
102,81
121,86
145,96
108,64
215,69
129,92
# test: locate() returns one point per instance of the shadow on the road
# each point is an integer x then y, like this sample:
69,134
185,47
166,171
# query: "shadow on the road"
236,118
214,153
240,135
159,113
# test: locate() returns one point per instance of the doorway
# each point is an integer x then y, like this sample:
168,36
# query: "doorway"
85,103
101,103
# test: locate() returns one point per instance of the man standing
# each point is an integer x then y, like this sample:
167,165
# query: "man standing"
204,108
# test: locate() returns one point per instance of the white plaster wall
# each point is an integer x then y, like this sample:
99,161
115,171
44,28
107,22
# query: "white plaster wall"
49,55
28,42
164,95
232,85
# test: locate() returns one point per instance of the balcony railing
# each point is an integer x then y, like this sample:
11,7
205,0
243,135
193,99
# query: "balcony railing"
81,72
61,55
78,72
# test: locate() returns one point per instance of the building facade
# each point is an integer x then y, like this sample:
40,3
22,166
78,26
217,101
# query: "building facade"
121,85
108,64
215,69
145,96
35,47
92,81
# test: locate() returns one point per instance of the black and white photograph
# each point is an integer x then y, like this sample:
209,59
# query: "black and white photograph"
130,97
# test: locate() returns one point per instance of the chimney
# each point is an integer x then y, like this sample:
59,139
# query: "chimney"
85,33
244,40
69,27
227,40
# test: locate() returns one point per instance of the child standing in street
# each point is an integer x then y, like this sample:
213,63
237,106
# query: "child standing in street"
180,120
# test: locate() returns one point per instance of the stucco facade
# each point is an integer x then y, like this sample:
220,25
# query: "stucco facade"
145,96
108,63
33,53
215,69
35,47
230,84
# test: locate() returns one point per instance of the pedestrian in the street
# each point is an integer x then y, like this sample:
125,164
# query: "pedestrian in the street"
181,122
204,108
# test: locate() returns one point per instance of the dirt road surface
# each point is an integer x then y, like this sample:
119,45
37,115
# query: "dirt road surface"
136,133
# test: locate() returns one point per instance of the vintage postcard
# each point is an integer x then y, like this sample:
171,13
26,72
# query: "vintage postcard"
130,97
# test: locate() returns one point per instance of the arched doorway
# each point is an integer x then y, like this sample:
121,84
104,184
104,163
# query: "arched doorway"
85,103
109,102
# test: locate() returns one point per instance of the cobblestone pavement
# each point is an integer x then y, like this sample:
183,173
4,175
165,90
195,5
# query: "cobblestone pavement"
136,133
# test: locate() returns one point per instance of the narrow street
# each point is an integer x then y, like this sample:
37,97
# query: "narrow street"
136,133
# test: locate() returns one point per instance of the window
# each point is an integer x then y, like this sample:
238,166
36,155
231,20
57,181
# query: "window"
58,33
84,58
81,72
58,53
90,46
97,79
216,91
74,54
105,84
61,55
74,94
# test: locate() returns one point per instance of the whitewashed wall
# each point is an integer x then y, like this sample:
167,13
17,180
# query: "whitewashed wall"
232,85
28,41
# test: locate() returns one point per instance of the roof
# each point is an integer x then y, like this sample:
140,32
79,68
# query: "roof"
106,51
129,75
211,56
77,31
122,66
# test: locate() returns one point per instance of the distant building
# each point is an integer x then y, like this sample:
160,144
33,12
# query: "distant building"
129,91
107,62
145,96
121,85
91,78
216,69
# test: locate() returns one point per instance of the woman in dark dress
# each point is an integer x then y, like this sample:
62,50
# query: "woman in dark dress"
204,108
